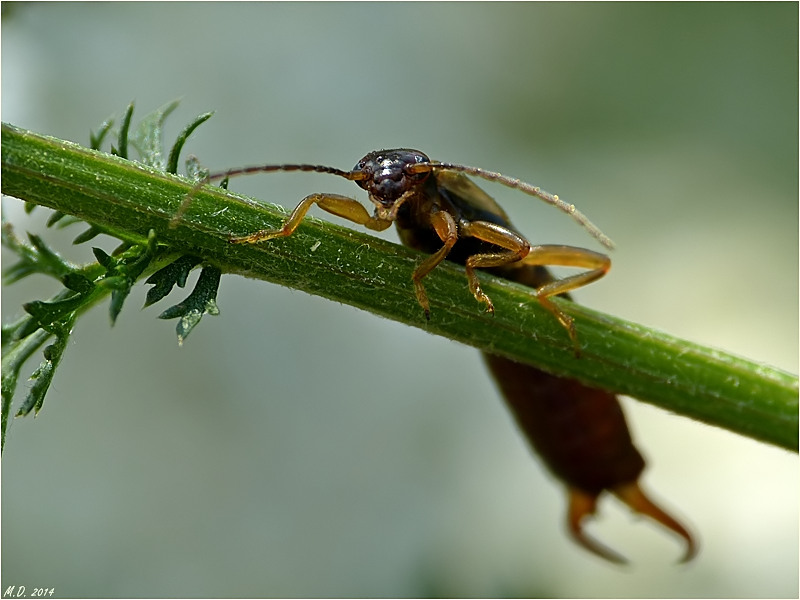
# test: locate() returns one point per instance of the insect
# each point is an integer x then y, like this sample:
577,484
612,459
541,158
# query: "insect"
580,432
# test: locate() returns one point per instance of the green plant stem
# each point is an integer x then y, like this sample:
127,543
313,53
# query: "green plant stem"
345,265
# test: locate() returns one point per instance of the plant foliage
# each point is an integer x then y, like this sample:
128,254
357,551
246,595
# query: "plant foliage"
49,323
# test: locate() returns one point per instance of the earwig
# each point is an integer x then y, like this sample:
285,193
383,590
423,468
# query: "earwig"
418,168
579,431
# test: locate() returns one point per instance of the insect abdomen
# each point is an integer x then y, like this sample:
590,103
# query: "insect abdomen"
580,432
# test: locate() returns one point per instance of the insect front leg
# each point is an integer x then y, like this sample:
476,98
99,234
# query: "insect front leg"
566,256
341,206
445,226
516,248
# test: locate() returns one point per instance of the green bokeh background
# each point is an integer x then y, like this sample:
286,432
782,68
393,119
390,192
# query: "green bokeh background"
295,447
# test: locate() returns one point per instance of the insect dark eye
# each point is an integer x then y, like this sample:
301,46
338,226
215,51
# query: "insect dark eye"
364,166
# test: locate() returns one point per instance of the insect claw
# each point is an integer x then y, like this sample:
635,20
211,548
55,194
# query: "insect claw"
481,296
422,299
582,505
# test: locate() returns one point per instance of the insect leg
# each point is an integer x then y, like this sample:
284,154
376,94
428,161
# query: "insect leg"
445,227
341,206
566,256
516,248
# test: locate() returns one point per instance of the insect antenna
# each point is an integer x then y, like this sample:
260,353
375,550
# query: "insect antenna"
251,170
532,190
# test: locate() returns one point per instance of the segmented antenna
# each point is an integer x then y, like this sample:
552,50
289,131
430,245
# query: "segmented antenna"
517,184
531,190
351,175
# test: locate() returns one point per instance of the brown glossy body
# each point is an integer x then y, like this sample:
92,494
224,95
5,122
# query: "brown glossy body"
579,431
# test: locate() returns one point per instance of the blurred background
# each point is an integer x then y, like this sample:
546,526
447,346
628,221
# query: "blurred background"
273,455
